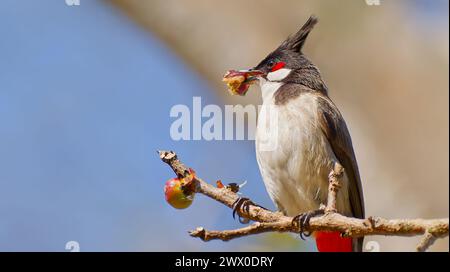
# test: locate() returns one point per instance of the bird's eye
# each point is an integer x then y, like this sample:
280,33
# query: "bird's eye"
270,64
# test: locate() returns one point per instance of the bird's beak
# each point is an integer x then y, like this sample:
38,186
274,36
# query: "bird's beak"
239,81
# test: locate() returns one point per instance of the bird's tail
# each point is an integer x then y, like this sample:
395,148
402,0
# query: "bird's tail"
328,241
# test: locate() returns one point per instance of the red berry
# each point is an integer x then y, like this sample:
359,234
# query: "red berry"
175,195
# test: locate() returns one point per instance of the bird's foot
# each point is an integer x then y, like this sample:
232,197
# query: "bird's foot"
302,221
242,205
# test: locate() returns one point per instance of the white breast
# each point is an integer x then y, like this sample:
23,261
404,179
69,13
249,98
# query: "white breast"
268,88
295,170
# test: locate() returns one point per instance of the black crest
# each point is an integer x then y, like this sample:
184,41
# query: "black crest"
303,71
295,42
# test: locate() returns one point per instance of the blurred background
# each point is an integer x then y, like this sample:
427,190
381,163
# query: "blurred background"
86,92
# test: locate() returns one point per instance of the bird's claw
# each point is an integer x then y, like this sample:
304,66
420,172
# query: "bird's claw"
302,220
242,205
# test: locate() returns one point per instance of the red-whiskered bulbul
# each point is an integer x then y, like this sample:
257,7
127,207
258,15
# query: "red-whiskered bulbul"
311,135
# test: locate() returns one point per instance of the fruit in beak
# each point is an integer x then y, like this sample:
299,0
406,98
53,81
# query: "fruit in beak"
238,82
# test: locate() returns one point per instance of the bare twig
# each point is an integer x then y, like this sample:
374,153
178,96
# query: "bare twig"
225,235
334,186
267,221
426,241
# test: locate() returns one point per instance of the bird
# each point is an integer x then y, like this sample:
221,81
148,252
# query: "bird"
300,136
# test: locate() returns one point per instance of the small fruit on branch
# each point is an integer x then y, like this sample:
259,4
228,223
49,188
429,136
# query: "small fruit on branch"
180,192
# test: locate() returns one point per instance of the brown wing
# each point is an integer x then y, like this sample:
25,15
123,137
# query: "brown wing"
335,129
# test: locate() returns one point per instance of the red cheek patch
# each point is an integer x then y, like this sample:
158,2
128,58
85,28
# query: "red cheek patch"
278,66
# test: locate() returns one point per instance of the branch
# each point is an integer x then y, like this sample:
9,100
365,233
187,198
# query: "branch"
268,221
225,235
426,241
334,177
